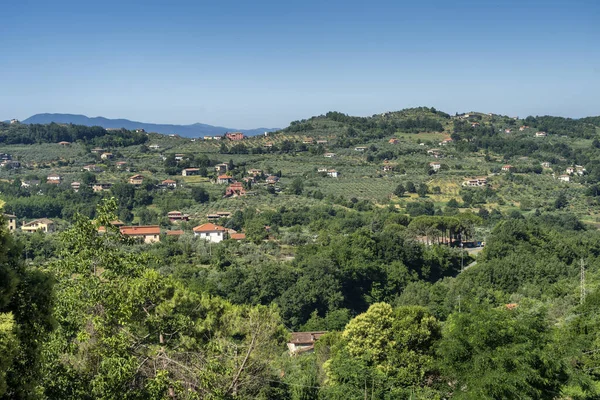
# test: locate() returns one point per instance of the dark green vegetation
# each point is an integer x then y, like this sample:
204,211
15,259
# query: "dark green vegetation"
373,257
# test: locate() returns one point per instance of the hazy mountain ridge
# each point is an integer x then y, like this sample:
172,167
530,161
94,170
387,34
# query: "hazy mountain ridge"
193,130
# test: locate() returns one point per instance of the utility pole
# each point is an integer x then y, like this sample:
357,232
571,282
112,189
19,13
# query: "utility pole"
462,267
459,303
582,281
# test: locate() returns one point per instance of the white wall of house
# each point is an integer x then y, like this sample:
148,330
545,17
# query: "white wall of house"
214,237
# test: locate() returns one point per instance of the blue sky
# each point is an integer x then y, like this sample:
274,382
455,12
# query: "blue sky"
266,63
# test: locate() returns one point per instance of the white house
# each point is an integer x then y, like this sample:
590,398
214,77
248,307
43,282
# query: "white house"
435,166
329,155
564,178
332,173
211,232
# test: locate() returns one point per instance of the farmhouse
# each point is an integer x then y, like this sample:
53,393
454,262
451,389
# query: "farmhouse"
10,164
169,183
98,150
237,236
393,141
435,165
235,136
308,140
11,222
176,216
254,172
360,148
332,173
63,143
224,179
107,156
507,168
147,234
329,155
43,224
522,128
100,187
92,168
545,164
75,186
154,147
136,180
190,171
387,167
476,182
211,232
564,178
121,164
30,183
222,168
446,141
272,179
303,342
322,169
541,134
322,141
53,179
235,189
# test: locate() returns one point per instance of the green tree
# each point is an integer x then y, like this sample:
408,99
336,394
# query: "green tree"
400,190
493,353
200,195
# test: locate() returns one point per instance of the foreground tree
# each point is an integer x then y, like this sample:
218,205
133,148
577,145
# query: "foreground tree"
126,332
500,353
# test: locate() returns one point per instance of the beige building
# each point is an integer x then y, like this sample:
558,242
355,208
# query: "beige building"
43,224
11,221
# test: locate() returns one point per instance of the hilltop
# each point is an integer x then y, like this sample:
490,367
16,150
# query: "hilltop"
193,130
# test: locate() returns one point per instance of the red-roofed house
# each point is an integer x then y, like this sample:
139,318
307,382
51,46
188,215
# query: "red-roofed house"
224,179
507,168
237,236
149,233
211,232
175,216
235,189
235,136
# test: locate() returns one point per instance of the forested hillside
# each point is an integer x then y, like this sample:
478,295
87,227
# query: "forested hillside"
407,255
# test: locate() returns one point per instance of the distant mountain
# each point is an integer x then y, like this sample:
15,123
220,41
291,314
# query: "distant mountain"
194,130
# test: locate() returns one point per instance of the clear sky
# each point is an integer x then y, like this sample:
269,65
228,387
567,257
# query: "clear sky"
246,64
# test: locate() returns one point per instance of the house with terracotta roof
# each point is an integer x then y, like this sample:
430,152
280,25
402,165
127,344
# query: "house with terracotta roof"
43,224
190,171
147,234
235,189
393,141
169,183
507,168
303,342
175,232
224,179
235,136
136,179
237,236
54,179
176,216
63,143
522,128
211,232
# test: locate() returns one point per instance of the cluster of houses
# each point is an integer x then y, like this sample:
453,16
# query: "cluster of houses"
476,181
6,161
570,171
152,233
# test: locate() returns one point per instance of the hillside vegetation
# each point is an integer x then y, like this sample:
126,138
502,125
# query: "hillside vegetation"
421,255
